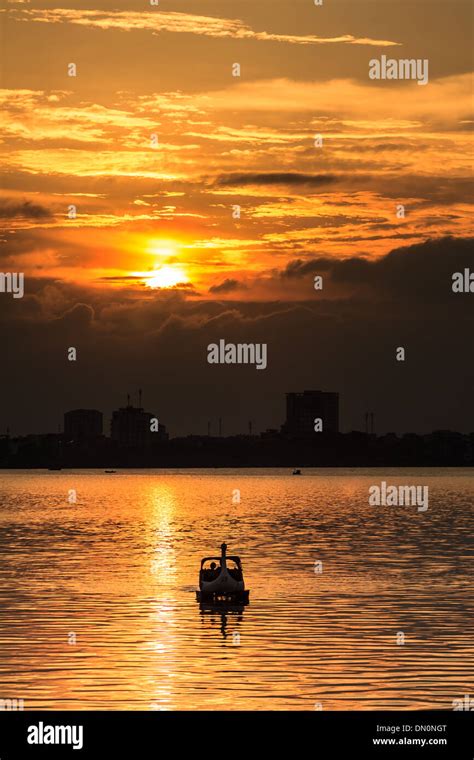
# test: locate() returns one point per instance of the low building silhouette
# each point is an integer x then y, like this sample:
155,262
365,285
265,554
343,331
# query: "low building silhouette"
82,425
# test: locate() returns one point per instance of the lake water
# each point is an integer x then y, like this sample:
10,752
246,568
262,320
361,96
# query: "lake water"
116,573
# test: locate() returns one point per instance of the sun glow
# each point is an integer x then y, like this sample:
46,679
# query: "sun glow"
165,277
162,248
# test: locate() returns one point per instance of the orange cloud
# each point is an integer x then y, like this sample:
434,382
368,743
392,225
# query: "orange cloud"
180,23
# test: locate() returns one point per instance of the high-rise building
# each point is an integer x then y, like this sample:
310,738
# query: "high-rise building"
82,424
132,426
302,409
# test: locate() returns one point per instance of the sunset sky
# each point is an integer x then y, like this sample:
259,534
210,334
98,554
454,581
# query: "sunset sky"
155,264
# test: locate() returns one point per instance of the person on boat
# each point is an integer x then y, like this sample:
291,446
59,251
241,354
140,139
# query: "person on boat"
212,573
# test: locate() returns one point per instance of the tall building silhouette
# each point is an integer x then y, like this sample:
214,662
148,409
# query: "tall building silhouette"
303,408
132,426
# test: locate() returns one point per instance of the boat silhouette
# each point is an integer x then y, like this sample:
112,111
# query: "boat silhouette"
221,580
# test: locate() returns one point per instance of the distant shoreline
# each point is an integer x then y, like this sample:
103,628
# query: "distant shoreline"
441,448
303,468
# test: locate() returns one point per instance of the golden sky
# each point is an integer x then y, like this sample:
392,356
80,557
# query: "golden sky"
155,142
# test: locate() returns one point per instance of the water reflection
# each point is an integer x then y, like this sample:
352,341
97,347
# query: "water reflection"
161,505
217,616
120,567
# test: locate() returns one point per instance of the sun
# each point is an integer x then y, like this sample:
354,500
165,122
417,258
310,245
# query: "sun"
165,277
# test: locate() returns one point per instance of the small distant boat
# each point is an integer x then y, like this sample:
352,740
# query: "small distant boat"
296,472
110,471
55,467
221,579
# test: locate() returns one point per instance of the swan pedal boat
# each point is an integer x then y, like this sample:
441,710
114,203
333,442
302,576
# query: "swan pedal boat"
221,579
